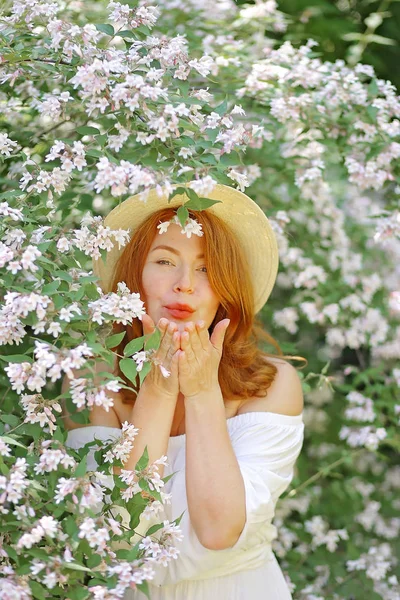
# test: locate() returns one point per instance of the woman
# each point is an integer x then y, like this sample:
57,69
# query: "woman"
228,416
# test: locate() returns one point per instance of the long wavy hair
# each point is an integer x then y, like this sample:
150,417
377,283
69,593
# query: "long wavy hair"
244,370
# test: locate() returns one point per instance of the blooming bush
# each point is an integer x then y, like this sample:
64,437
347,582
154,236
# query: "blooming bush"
102,101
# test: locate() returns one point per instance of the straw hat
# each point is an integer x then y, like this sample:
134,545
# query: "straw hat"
242,215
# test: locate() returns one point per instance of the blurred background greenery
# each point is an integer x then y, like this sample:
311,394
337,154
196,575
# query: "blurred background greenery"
356,31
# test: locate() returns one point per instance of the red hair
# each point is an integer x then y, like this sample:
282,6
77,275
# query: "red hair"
244,371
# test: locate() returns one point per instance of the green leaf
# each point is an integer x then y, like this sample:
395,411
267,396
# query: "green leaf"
11,552
63,275
17,358
101,140
143,460
127,34
114,340
80,417
154,528
221,108
78,593
178,192
129,555
183,215
86,130
134,346
105,28
94,153
128,367
144,588
11,420
230,159
144,372
94,561
76,567
373,88
38,590
81,468
153,342
12,193
51,288
9,440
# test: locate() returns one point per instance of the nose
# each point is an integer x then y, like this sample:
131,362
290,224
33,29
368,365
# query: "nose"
184,282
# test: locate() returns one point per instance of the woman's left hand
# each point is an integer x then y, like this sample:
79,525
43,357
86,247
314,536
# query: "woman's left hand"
199,357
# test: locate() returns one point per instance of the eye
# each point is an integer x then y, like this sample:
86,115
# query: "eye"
203,268
163,261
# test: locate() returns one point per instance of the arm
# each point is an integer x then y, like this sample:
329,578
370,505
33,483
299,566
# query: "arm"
152,414
214,484
155,404
214,479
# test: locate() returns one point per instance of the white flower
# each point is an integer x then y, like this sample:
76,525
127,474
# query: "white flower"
63,245
240,178
204,66
140,358
192,226
6,145
7,211
163,226
164,371
54,329
185,152
5,449
49,525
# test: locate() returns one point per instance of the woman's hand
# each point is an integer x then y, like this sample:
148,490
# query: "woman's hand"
166,355
199,357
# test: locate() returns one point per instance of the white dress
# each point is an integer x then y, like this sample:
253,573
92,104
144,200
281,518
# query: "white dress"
266,446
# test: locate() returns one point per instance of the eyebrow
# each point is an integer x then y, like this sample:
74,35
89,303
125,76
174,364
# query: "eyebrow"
162,247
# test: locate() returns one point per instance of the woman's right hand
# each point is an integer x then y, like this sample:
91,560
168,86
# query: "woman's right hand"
166,355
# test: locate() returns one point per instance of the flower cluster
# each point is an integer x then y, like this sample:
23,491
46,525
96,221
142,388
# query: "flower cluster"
123,306
46,526
122,447
191,226
48,364
51,458
369,437
84,393
149,474
93,237
90,497
18,306
164,549
321,534
40,410
14,485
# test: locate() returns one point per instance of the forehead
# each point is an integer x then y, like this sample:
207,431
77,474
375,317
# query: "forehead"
173,237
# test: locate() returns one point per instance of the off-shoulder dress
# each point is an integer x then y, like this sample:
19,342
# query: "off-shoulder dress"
266,446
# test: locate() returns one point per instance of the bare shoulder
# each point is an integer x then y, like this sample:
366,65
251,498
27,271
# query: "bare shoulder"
97,415
284,396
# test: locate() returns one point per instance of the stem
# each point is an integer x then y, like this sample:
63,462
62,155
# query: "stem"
320,473
361,359
364,40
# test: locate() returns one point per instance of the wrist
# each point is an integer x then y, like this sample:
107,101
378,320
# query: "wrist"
148,389
203,396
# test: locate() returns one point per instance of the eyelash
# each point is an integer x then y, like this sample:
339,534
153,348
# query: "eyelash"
162,260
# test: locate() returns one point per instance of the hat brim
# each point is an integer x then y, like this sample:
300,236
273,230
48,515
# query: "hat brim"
240,213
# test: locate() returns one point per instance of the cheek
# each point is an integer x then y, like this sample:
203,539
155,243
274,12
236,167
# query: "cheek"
212,299
153,283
